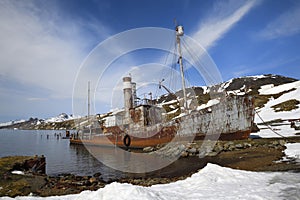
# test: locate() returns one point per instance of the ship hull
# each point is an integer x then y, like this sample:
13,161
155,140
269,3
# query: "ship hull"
139,143
231,119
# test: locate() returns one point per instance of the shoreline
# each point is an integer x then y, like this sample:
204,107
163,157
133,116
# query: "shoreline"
261,156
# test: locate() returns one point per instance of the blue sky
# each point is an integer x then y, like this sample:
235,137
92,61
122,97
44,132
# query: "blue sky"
43,43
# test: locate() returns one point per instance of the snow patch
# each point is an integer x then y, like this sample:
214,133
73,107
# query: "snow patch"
268,113
293,151
11,122
206,89
283,128
208,104
60,118
212,182
17,172
257,77
271,89
226,84
173,111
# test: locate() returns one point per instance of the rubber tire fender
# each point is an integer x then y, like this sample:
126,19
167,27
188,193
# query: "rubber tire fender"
127,140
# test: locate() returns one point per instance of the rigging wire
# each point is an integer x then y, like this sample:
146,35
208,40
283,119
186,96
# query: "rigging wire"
198,62
167,72
173,77
269,127
194,58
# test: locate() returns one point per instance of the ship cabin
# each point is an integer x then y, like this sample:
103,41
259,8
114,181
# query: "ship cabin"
138,113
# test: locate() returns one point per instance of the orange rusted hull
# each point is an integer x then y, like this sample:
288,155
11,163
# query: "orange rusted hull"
135,142
239,135
231,114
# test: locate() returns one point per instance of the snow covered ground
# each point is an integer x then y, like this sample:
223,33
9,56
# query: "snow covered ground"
216,182
292,151
11,122
283,129
267,113
212,182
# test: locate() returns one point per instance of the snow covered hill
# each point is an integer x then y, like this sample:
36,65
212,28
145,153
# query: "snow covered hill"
281,111
62,121
285,106
277,100
60,118
10,123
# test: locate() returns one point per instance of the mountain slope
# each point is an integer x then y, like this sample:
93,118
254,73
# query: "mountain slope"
276,98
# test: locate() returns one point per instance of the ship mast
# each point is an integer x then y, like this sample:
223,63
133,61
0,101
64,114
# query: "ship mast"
89,100
179,33
89,109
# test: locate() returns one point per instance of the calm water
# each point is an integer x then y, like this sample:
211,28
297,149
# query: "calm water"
61,157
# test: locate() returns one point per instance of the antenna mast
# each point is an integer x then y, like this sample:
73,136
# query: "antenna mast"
179,33
89,100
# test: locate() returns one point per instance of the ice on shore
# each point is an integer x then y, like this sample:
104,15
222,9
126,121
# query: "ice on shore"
212,182
293,151
17,172
276,130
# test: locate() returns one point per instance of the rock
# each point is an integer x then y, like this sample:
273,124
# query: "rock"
191,154
184,154
148,149
228,145
93,180
275,142
97,174
247,145
218,149
192,150
86,178
202,154
239,146
164,181
212,154
282,142
231,148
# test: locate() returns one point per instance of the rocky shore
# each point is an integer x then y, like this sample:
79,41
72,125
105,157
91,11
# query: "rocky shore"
250,154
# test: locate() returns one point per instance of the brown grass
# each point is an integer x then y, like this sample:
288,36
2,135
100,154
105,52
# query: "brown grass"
286,106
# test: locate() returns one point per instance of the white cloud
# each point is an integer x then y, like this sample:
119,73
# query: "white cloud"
287,24
242,71
264,67
221,19
36,99
40,47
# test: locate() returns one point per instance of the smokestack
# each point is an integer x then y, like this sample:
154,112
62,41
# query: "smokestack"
134,97
127,89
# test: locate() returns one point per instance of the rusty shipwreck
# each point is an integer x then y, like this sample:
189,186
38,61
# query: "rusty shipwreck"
147,123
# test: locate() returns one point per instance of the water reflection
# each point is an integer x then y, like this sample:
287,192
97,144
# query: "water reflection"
61,157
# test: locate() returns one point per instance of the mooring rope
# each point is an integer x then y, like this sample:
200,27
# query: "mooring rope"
269,127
